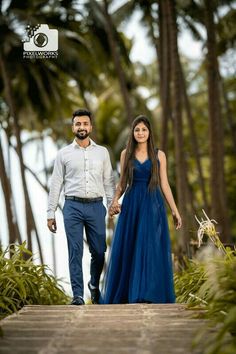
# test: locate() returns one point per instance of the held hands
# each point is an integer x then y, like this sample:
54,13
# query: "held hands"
114,208
177,219
52,225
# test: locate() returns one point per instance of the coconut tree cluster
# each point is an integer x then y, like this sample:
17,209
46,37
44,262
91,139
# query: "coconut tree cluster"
190,103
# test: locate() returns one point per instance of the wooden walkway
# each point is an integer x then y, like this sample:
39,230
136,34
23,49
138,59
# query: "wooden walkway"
133,328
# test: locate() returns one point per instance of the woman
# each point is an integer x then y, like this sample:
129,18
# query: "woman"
140,267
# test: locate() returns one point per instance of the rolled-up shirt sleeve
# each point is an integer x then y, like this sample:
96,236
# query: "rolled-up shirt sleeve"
56,186
108,178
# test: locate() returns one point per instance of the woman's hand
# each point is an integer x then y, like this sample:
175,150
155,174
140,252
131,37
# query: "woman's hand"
114,208
177,219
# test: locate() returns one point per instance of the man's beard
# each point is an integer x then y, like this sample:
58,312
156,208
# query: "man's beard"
82,135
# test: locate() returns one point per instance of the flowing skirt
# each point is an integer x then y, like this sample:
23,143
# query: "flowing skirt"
140,265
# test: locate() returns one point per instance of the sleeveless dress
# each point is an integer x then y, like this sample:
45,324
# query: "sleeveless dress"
139,265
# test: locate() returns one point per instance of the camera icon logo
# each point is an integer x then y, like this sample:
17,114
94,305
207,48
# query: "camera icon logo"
41,38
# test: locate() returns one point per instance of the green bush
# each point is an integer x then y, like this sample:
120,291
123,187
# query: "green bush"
219,291
211,285
24,283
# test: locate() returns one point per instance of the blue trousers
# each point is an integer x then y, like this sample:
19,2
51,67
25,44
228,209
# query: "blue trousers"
91,217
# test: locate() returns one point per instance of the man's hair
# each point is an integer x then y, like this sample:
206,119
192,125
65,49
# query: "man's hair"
82,112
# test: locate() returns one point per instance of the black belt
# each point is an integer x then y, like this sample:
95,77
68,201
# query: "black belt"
84,200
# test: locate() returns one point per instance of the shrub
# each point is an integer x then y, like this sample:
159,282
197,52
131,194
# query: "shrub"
24,283
211,283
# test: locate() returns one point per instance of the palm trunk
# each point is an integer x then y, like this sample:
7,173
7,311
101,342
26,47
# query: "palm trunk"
217,179
14,232
193,137
164,71
228,113
30,222
163,66
181,174
54,258
117,62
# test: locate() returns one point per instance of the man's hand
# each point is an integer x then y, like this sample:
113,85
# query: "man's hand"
52,225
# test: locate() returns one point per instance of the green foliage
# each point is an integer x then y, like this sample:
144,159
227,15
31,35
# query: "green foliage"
188,281
24,283
212,284
220,294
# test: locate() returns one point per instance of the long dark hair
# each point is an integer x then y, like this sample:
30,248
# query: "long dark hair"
128,167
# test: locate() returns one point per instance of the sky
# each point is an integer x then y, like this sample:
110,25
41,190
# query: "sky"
33,159
144,51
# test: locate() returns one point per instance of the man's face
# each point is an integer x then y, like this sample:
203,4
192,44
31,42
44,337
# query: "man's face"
82,127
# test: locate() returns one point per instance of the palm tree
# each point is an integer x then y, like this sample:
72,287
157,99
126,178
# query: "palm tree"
164,59
100,21
44,85
14,233
204,12
30,224
36,82
182,183
218,188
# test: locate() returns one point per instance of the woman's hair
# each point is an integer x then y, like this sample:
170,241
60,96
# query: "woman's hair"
128,167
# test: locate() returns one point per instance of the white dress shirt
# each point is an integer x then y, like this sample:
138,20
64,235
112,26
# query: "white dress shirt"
82,172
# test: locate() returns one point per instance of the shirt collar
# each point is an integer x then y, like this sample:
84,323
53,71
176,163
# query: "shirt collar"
92,143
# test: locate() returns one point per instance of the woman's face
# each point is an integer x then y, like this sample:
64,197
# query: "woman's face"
141,133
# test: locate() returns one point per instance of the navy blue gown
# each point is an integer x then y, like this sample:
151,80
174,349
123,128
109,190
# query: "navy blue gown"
139,265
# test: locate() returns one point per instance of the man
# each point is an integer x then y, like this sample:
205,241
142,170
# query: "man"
84,169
